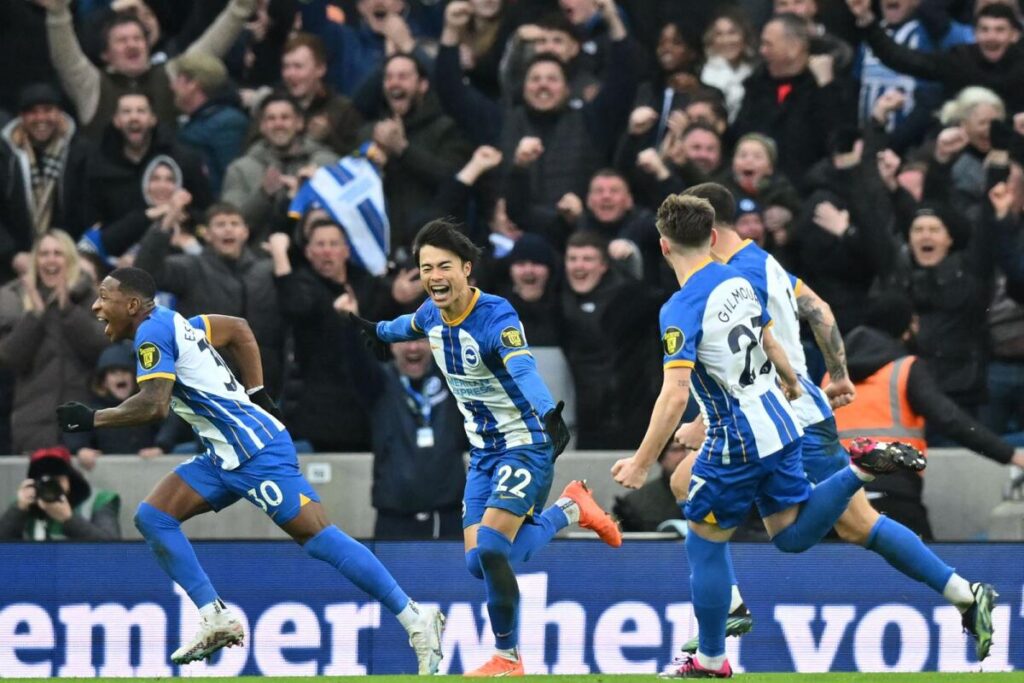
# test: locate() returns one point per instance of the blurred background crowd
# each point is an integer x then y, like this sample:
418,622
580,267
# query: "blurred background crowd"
272,159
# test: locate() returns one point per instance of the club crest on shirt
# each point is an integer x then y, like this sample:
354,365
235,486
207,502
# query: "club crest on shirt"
149,355
470,356
673,340
512,338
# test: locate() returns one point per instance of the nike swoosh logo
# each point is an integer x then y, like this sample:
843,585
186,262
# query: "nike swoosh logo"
74,426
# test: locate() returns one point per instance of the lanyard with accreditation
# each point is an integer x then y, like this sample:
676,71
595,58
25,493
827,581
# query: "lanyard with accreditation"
420,406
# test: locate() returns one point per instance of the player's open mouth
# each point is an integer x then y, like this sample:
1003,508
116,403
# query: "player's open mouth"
440,291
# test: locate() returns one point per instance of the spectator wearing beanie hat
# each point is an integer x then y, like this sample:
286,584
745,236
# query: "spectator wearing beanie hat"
947,273
42,173
56,503
533,289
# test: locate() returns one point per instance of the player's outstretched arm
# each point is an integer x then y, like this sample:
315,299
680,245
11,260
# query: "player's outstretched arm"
819,316
151,404
668,410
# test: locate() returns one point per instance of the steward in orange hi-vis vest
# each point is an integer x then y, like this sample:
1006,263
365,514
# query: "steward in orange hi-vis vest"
882,410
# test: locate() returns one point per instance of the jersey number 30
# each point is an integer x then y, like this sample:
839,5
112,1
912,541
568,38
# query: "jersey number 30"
231,384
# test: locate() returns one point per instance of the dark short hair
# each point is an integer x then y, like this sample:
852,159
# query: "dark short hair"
135,93
120,19
445,233
545,58
421,71
279,97
713,98
889,312
701,126
998,11
134,281
557,21
794,26
686,220
588,238
720,199
609,172
222,209
308,41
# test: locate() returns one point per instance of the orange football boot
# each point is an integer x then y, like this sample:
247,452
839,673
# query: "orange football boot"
592,515
498,667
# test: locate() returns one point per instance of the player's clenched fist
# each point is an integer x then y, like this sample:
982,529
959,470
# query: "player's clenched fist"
629,473
75,417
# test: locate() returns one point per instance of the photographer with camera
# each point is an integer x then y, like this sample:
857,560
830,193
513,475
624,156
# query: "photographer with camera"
56,503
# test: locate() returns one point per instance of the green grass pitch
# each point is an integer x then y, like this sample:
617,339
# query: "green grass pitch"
1015,677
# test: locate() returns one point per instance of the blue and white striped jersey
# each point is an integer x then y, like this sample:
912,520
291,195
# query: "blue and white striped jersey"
777,290
206,393
714,324
472,352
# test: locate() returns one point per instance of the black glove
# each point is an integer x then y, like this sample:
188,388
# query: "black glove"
75,417
368,330
261,398
556,428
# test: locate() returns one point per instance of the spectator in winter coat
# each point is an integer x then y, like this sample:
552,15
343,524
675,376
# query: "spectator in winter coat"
42,173
95,92
260,182
49,338
213,125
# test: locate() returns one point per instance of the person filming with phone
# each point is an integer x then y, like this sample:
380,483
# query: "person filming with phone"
56,503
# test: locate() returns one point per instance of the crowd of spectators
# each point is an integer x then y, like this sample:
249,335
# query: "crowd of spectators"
872,148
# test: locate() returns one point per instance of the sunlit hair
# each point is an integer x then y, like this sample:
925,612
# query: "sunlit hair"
967,100
72,272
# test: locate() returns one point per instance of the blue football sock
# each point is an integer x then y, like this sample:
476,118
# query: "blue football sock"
357,564
473,563
819,513
536,532
174,553
710,590
502,587
902,548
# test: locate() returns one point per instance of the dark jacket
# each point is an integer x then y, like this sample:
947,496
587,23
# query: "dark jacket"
94,519
16,198
53,355
869,349
436,151
330,414
216,132
956,68
115,182
210,283
646,508
610,341
800,124
485,120
406,478
842,269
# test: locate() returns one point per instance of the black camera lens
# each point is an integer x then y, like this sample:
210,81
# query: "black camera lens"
48,489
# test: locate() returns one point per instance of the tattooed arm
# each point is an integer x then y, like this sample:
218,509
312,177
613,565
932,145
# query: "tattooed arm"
149,405
818,315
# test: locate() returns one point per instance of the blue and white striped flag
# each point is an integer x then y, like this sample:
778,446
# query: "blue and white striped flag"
352,193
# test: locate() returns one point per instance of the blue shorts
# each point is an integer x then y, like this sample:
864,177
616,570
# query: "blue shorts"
822,453
516,480
722,494
271,480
